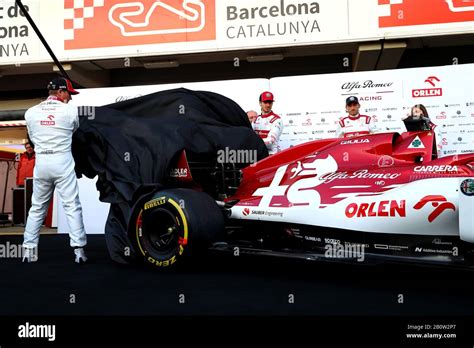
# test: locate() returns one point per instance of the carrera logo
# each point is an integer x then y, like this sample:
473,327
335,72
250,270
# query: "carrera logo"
429,92
375,209
436,169
440,203
397,13
126,23
355,141
49,122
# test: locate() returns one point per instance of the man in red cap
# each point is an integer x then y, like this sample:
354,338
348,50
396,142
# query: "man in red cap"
354,124
268,125
51,125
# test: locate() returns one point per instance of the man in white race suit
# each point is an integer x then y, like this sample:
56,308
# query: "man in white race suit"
354,124
268,125
51,125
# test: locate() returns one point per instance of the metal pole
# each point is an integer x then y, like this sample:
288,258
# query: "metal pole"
43,41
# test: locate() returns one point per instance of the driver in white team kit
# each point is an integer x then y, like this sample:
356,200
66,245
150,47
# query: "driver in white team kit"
268,125
51,125
354,124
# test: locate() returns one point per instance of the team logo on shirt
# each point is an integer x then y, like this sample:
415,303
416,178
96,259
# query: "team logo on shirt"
49,122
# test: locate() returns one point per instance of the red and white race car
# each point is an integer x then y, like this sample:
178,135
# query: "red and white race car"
368,198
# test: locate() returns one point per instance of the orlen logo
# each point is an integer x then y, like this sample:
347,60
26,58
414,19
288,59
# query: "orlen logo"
49,122
440,203
429,92
126,23
441,116
374,209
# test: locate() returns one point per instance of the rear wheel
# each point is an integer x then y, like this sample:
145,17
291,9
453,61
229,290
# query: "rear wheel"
170,225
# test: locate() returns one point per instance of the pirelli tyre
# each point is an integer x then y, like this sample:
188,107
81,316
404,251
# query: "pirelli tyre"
169,226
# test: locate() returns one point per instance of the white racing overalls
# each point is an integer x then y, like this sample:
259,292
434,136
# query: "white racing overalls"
269,127
351,126
51,125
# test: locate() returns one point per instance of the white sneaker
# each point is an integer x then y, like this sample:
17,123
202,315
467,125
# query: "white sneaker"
80,255
30,255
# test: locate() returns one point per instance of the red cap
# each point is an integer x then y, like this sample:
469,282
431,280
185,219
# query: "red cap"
62,83
266,96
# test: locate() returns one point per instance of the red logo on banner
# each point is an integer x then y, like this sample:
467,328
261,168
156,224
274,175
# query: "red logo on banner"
110,23
429,92
398,13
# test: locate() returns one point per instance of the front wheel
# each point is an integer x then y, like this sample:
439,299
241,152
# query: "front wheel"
170,225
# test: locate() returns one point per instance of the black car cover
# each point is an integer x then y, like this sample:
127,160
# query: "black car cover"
130,146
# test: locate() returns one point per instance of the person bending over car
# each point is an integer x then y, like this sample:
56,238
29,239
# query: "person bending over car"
354,124
268,125
419,120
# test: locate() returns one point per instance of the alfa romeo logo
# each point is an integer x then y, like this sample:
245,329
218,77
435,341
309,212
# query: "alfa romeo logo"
467,187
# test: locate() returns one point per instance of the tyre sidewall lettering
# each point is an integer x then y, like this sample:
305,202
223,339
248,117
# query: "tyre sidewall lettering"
172,206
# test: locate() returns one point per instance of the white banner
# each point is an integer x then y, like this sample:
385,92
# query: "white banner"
312,105
100,29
